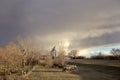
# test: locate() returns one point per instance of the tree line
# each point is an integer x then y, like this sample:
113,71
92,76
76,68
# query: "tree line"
114,55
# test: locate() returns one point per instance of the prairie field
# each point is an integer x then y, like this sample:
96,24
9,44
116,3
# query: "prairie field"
41,73
115,63
85,71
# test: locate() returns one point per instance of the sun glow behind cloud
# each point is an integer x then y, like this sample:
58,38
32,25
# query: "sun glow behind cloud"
66,45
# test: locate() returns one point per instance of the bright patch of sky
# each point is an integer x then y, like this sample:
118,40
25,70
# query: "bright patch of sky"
94,51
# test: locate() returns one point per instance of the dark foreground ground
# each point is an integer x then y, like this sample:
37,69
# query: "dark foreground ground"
98,69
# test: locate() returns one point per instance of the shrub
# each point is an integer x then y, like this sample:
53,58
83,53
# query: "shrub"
78,57
111,57
59,61
48,61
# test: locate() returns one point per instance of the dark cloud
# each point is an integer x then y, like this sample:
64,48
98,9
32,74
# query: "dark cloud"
87,23
106,39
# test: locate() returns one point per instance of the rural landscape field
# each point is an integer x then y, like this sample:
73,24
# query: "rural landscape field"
59,39
86,71
23,62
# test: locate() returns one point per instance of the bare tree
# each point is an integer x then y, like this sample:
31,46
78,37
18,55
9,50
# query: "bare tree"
73,53
60,59
115,52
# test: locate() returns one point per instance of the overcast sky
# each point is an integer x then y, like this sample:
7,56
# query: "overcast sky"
80,24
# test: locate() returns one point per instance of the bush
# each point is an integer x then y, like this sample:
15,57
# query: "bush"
60,59
111,57
48,61
78,57
108,57
97,57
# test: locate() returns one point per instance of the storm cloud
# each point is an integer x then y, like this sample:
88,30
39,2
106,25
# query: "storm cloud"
81,23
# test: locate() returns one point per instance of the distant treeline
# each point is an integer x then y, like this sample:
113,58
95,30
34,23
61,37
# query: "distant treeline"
78,57
114,55
108,57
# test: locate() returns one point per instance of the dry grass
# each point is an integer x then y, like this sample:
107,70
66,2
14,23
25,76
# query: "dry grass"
51,74
115,63
86,71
